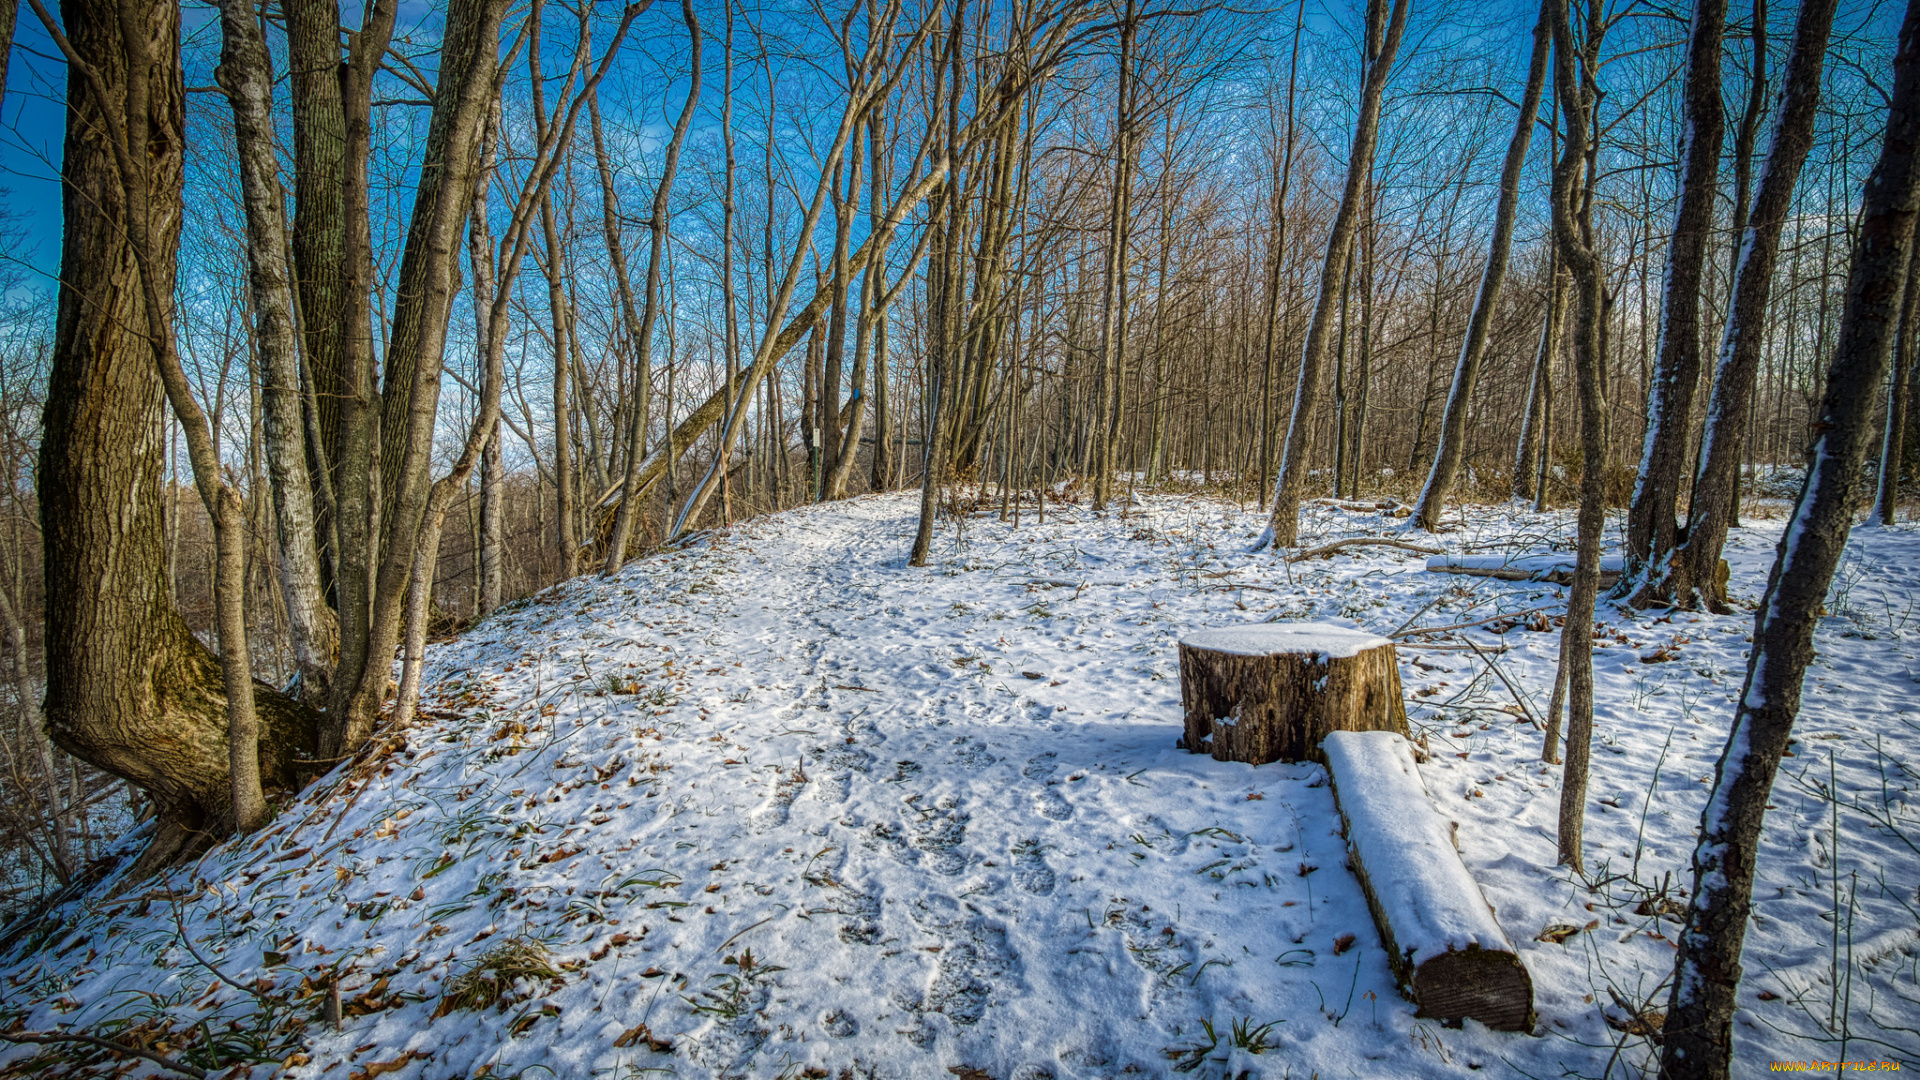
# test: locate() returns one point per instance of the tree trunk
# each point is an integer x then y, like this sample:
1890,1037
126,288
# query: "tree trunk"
246,74
1573,235
1888,492
1271,691
162,723
1113,293
1384,32
1652,532
643,343
1730,411
1453,423
1532,450
1699,1026
406,412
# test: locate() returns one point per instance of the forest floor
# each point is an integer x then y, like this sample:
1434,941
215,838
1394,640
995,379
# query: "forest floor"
780,804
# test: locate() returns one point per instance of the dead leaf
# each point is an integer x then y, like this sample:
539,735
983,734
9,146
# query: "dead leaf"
1557,933
638,1034
1342,943
968,1072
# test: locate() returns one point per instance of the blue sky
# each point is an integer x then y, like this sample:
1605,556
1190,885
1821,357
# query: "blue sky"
31,122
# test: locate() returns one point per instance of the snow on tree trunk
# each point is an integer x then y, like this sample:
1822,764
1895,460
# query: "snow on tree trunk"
1442,941
1725,439
1272,691
1699,1026
1651,529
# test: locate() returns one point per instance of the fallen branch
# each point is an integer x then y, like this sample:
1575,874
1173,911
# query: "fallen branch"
1425,646
1363,541
57,1038
1464,625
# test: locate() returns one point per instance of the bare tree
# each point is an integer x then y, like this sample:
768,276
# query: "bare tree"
1576,65
1384,32
1695,567
1699,1026
1652,531
1453,425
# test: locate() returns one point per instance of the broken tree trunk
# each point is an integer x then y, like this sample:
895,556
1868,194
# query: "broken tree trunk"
1272,691
1443,944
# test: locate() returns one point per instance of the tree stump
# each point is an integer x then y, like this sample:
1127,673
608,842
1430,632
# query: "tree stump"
1271,691
1444,945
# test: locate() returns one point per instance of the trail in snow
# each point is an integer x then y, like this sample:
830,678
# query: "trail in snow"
794,806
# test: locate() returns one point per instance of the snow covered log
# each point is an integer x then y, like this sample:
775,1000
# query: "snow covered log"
1442,941
1554,566
1271,691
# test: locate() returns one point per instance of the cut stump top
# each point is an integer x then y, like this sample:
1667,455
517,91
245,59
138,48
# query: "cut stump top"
1273,639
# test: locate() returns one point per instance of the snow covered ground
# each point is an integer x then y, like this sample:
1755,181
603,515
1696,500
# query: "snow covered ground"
780,805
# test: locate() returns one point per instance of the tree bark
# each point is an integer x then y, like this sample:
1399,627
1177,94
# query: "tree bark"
1272,691
130,689
246,75
1888,489
1730,410
1652,532
1699,1026
1384,32
1453,423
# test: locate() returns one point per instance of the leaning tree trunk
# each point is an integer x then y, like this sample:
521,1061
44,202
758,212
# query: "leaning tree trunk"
409,400
1383,41
1453,424
1699,1027
1651,530
130,689
1725,441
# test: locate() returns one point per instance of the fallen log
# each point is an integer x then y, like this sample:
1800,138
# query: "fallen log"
1362,541
1553,566
1442,941
1271,691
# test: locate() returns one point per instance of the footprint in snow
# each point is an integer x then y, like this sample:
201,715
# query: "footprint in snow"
1039,768
1051,804
774,812
973,957
883,836
838,1024
972,753
938,834
1030,871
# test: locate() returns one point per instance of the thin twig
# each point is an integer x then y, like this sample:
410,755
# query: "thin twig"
1508,683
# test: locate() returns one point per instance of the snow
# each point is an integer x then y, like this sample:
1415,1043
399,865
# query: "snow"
792,804
1394,831
1268,639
